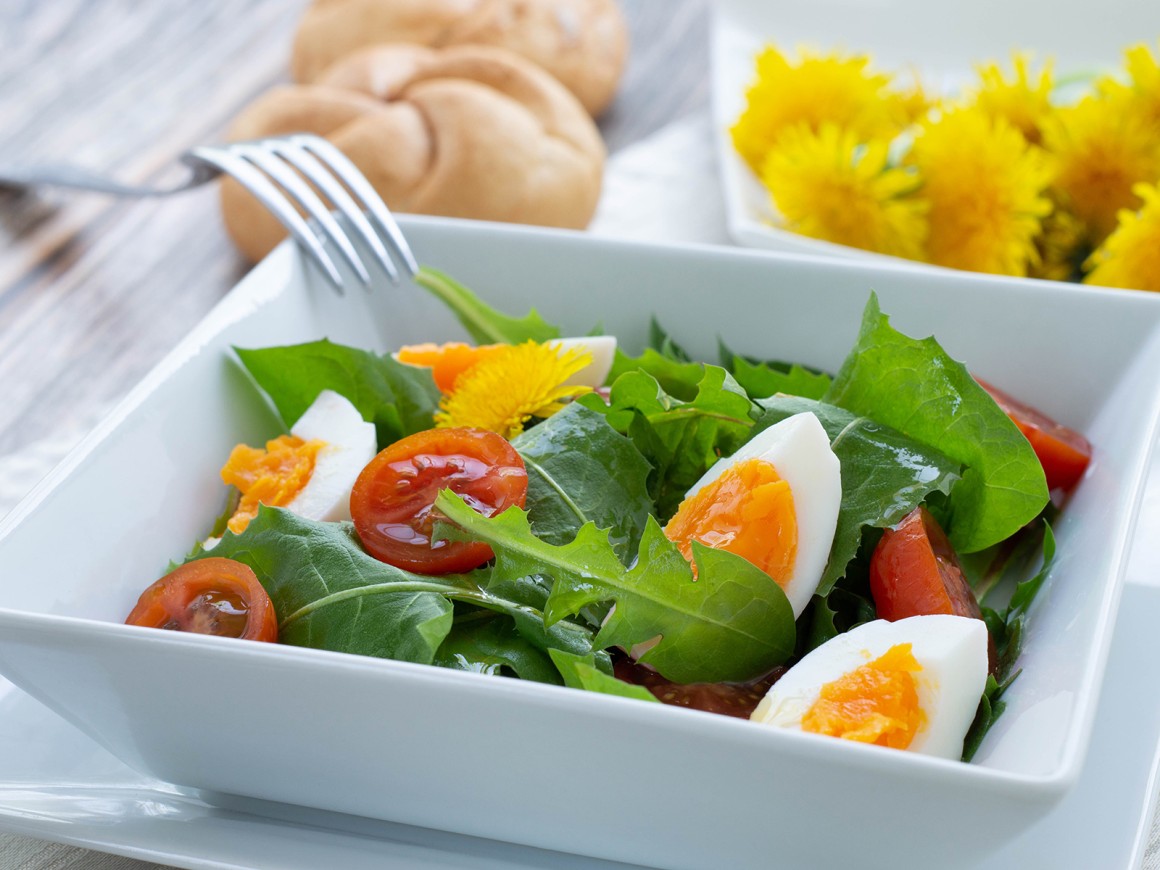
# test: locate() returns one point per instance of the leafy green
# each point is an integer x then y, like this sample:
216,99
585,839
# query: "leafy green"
329,594
991,707
913,386
681,439
1007,629
482,322
581,673
1010,640
660,341
677,378
730,623
399,399
582,470
885,475
763,378
488,643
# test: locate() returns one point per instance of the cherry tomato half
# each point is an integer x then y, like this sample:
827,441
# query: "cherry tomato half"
391,503
914,571
210,596
1063,452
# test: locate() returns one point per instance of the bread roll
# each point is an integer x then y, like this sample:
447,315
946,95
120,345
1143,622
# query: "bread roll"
583,43
469,131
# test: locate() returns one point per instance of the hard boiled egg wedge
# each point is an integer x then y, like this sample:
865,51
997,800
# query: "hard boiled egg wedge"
912,684
311,470
775,502
348,445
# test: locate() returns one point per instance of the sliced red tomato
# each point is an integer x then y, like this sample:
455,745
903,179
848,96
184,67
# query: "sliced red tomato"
914,571
392,500
210,596
1063,452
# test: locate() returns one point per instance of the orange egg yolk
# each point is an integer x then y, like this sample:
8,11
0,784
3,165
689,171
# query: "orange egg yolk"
273,476
749,511
446,361
875,703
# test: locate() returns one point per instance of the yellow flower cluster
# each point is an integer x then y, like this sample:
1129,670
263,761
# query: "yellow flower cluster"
1006,178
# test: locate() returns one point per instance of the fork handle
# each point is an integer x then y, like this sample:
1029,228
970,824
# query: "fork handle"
79,178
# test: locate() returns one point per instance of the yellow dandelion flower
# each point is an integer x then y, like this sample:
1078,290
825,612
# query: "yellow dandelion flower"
914,101
829,187
1131,255
512,385
814,91
1101,150
1062,247
985,185
1142,95
1022,102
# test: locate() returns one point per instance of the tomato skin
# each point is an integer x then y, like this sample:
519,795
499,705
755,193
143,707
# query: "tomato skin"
209,596
914,571
392,500
1063,452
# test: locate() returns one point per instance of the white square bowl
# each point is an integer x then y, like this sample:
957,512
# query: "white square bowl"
940,41
541,765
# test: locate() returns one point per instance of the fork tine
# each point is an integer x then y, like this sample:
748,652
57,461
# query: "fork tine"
308,165
350,175
259,154
263,189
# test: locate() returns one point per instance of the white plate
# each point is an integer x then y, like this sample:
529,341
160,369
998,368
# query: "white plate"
59,785
458,751
942,41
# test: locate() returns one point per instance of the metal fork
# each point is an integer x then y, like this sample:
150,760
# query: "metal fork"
275,171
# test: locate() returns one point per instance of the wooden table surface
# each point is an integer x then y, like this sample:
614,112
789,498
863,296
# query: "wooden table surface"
94,291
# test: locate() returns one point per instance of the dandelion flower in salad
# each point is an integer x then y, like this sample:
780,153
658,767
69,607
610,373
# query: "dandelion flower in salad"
1130,257
511,386
1023,100
815,90
828,187
986,188
1101,149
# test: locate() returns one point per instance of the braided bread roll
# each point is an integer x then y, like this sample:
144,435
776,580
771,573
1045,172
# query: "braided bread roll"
583,43
468,131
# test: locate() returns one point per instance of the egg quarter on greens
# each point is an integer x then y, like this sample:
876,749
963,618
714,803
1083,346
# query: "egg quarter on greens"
911,684
774,502
310,471
349,444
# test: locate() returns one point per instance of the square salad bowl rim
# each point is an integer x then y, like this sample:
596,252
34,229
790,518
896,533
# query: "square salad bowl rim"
267,281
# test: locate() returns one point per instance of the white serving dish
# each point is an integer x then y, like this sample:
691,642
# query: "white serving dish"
540,765
942,42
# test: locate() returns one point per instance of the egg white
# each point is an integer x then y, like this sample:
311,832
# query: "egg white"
349,445
952,651
799,450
